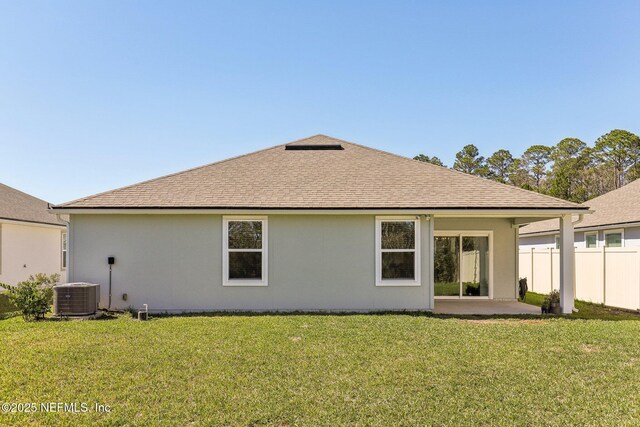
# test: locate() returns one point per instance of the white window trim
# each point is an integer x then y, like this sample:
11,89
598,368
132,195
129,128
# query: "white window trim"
225,252
469,233
417,258
614,231
591,233
63,251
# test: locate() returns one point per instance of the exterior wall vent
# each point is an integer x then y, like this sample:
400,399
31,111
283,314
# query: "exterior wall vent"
76,299
314,147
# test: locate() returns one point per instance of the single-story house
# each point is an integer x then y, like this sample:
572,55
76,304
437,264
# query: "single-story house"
315,224
32,240
615,223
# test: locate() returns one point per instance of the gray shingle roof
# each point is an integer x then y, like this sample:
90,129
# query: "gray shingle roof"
18,206
619,206
356,177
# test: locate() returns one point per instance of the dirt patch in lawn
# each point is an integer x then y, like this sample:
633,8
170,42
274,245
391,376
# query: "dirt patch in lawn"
504,321
590,348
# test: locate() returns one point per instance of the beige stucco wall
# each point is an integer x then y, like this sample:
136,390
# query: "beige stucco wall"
504,249
316,262
27,249
174,263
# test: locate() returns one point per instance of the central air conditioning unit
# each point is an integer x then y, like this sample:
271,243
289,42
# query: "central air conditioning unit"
76,299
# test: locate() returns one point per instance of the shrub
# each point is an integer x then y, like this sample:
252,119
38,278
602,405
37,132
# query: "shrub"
34,296
553,297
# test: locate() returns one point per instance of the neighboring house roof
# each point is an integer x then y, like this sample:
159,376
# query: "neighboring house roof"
617,207
18,206
335,175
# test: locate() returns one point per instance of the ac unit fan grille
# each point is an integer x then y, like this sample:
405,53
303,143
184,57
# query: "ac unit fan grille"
75,300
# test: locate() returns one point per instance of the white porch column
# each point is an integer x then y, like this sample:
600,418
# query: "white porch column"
431,249
567,254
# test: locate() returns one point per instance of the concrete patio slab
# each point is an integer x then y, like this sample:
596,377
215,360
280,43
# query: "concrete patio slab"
483,307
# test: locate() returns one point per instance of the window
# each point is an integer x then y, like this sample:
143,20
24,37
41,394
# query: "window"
557,244
397,251
63,247
462,264
614,238
591,240
244,251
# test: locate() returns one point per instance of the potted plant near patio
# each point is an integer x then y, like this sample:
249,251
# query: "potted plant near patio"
545,306
552,303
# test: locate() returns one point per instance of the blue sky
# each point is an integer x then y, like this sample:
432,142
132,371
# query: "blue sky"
99,94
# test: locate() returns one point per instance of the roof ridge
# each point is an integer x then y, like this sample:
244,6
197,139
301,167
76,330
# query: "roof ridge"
310,137
17,205
498,193
614,191
459,172
22,192
167,176
82,199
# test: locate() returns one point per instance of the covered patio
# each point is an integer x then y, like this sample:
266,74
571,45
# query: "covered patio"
475,270
483,307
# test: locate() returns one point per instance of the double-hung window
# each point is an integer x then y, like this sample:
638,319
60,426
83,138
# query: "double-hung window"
397,251
244,251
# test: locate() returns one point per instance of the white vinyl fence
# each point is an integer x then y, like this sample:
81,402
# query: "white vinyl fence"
609,276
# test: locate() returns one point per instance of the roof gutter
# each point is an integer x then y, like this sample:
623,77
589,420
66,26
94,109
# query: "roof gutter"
445,212
589,228
30,223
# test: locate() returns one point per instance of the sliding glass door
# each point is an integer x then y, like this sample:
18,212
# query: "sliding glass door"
462,265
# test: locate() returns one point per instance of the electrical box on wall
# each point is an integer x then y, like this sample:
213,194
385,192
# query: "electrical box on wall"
111,260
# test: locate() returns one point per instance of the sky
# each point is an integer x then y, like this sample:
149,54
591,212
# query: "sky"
95,95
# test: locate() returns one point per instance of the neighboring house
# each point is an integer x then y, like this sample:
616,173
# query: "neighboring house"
32,240
316,224
615,223
607,251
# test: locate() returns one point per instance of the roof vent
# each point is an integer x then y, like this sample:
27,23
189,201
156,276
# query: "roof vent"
314,147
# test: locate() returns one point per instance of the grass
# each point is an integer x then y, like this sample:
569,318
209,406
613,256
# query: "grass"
588,310
299,369
453,288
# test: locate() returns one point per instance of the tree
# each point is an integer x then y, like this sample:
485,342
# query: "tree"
433,160
499,165
567,178
519,175
468,160
536,159
633,173
596,176
620,151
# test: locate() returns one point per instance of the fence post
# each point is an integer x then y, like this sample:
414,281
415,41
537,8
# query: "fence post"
551,268
532,270
604,276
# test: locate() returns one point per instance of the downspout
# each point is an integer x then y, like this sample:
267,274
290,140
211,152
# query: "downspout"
578,221
517,250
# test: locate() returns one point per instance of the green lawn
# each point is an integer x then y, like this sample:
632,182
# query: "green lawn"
589,311
391,369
